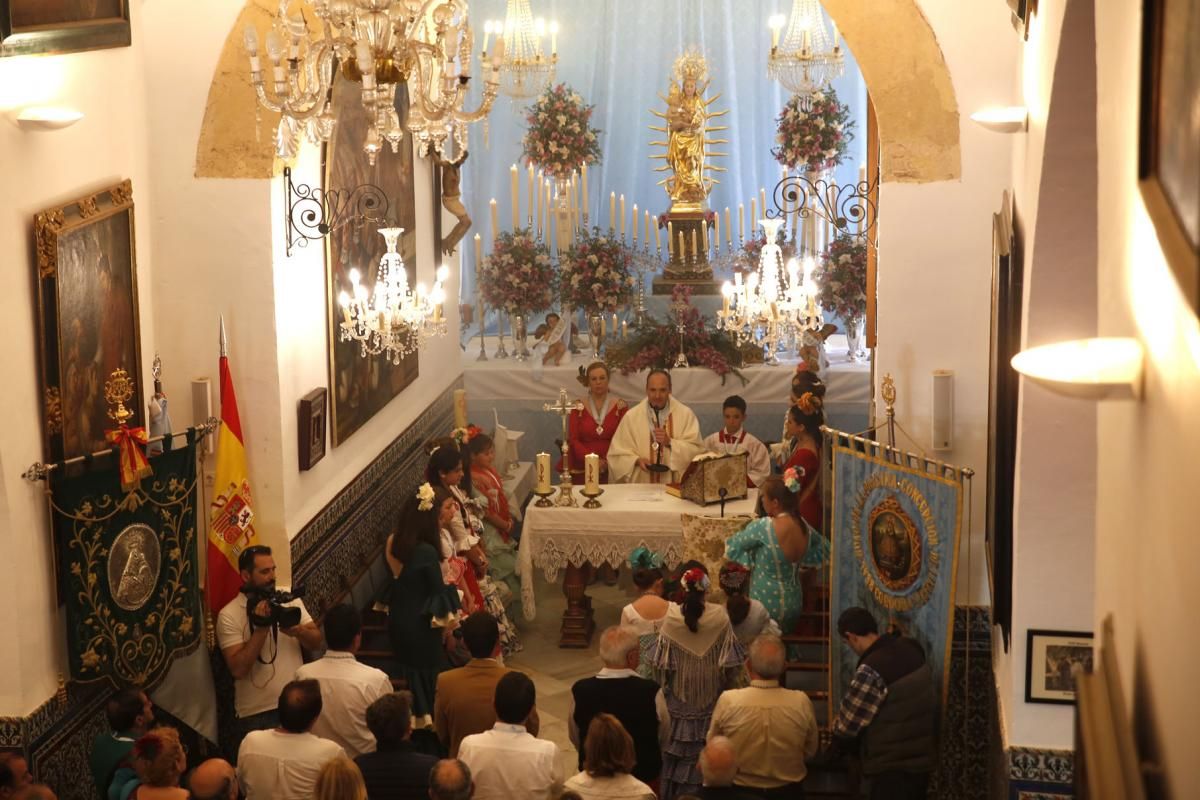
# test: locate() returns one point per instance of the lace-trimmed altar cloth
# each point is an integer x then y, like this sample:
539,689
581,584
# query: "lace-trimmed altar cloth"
631,515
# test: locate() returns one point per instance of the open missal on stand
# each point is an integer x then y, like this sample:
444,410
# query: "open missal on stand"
713,477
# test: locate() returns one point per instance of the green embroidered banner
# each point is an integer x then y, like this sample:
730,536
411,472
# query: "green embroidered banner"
127,568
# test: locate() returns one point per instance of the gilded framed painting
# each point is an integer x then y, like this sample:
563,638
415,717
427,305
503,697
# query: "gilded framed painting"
360,386
1169,135
87,317
28,27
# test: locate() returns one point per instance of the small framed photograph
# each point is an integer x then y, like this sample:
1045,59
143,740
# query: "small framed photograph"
311,423
1050,661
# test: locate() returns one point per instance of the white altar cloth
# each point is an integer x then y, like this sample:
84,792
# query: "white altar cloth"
631,515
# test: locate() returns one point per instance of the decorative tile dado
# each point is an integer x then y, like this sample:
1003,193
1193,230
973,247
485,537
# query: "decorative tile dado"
1023,795
57,739
963,764
1048,766
345,536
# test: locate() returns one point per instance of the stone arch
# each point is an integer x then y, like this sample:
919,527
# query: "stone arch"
909,83
896,49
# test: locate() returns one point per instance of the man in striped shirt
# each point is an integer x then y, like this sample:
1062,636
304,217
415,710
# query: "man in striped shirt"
888,710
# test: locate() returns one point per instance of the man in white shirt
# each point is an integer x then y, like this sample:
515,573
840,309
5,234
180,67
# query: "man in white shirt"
773,729
734,438
657,439
347,687
283,763
261,660
507,761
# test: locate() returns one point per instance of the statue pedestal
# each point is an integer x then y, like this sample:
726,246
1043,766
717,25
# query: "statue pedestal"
689,263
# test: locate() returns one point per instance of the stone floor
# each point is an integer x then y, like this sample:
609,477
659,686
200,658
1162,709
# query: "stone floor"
554,670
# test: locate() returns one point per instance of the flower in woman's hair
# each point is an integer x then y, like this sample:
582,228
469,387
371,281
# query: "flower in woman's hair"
425,496
791,478
147,747
809,403
644,558
695,580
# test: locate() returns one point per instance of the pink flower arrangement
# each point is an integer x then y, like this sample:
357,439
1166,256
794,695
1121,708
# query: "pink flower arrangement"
813,139
655,344
560,136
518,277
841,278
596,274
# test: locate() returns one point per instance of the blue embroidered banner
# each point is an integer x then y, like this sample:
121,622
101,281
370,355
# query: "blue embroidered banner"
894,531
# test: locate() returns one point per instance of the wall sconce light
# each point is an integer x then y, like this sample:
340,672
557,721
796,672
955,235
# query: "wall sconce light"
1090,369
47,118
1006,119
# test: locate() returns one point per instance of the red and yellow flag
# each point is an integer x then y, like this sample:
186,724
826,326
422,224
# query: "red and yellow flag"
232,524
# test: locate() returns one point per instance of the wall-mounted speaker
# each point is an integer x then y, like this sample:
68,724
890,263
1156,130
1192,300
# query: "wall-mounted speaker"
202,409
943,409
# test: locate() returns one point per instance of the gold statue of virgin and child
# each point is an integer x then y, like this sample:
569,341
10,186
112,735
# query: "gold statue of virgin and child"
687,154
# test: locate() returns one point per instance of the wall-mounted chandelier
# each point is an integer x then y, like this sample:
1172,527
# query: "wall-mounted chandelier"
393,319
806,59
382,43
772,302
526,71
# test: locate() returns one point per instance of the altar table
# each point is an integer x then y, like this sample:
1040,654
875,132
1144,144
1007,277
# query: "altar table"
517,390
559,538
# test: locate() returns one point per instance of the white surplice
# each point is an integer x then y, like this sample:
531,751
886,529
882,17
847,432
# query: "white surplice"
632,441
758,461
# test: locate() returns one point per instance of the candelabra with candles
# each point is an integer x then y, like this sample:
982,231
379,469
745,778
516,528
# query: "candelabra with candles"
392,319
425,44
806,59
525,70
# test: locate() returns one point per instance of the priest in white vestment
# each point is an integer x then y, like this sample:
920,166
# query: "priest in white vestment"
660,429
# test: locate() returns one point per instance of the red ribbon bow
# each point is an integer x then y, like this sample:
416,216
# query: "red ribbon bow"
131,442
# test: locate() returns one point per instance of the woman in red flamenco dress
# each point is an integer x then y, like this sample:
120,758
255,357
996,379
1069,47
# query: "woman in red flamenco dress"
803,428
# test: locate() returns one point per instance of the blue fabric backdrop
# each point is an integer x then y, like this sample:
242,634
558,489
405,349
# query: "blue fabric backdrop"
867,489
618,55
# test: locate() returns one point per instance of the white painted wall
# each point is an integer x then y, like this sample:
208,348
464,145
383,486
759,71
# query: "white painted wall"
40,170
1146,543
935,262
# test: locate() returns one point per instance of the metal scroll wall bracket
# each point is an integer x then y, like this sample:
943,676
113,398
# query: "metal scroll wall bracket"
848,207
312,213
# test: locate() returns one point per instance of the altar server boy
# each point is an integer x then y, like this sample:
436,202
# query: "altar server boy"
733,438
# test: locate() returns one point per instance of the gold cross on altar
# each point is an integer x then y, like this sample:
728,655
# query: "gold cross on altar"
563,408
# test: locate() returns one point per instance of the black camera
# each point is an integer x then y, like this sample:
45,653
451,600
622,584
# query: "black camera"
279,614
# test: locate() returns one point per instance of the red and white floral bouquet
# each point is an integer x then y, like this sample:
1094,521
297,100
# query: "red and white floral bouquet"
841,278
596,274
560,136
813,138
518,277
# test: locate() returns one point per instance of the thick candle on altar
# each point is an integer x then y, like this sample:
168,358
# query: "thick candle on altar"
542,464
460,408
591,472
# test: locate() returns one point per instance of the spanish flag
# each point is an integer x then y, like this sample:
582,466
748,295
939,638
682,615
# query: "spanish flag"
232,526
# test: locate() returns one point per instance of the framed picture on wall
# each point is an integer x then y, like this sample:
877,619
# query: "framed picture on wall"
311,424
28,27
1168,139
87,317
1004,387
1051,658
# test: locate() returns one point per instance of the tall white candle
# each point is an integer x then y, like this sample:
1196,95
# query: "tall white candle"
543,473
728,228
646,225
478,253
622,216
612,211
460,408
716,232
762,196
670,236
530,198
741,223
657,234
591,471
583,179
753,218
516,198
635,224
495,218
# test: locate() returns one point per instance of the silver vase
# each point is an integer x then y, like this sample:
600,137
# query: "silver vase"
596,334
520,330
501,352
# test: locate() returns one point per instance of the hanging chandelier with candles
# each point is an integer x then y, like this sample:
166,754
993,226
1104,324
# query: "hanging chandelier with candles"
382,43
807,58
525,71
392,319
773,301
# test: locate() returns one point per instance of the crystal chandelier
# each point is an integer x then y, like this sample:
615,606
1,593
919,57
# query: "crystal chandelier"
773,301
381,43
525,71
807,59
393,319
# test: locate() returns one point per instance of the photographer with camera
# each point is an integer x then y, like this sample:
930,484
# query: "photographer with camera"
260,633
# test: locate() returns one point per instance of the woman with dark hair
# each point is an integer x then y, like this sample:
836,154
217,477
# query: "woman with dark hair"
697,656
449,468
803,429
500,530
456,570
420,605
608,758
748,616
645,614
590,429
773,546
